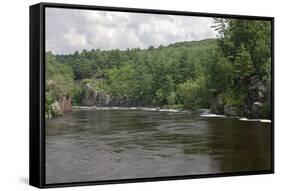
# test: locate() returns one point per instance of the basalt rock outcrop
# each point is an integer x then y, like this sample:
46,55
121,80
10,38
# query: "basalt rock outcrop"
217,104
259,97
59,107
65,103
257,103
93,97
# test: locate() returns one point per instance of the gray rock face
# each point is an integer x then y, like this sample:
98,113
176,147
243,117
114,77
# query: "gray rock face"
259,96
56,109
230,110
257,102
95,98
217,105
65,104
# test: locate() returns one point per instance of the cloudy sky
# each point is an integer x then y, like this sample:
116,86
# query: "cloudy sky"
68,30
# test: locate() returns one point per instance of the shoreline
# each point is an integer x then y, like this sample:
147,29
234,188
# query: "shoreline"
205,112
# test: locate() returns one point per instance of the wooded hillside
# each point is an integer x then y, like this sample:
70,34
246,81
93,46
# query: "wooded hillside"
231,74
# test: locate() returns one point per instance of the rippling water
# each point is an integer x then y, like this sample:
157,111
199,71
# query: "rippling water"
89,145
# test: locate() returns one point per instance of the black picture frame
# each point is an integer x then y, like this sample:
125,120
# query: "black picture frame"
37,93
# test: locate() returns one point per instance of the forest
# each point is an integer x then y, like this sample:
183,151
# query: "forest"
230,74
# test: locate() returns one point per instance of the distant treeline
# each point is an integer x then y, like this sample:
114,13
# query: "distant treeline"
182,75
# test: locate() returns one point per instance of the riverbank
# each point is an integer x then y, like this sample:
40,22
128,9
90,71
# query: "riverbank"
129,108
205,113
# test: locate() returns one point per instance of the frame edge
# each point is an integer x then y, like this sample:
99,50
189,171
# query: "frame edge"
35,170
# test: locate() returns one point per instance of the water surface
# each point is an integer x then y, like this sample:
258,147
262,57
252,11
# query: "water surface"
90,145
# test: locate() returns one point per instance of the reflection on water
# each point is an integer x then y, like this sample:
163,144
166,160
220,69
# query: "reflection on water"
89,145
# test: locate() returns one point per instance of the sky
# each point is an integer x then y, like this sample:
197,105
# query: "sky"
68,30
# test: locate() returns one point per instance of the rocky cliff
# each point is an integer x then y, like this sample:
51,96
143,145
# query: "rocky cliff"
93,97
257,104
59,107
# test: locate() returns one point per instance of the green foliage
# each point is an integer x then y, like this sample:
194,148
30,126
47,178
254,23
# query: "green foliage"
160,97
77,95
220,74
220,25
252,36
243,65
49,99
193,94
59,77
120,80
266,70
235,97
151,75
172,98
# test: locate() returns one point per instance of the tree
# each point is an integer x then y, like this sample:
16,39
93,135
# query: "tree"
194,93
243,65
220,74
59,77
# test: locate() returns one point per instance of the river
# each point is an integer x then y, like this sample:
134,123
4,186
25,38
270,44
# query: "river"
105,144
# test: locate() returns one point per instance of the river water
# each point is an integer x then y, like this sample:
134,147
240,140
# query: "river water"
91,145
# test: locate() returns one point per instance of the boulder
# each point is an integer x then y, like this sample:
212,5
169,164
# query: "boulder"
56,109
259,96
65,103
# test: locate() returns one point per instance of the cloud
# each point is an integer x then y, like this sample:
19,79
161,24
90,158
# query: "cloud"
72,38
68,30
